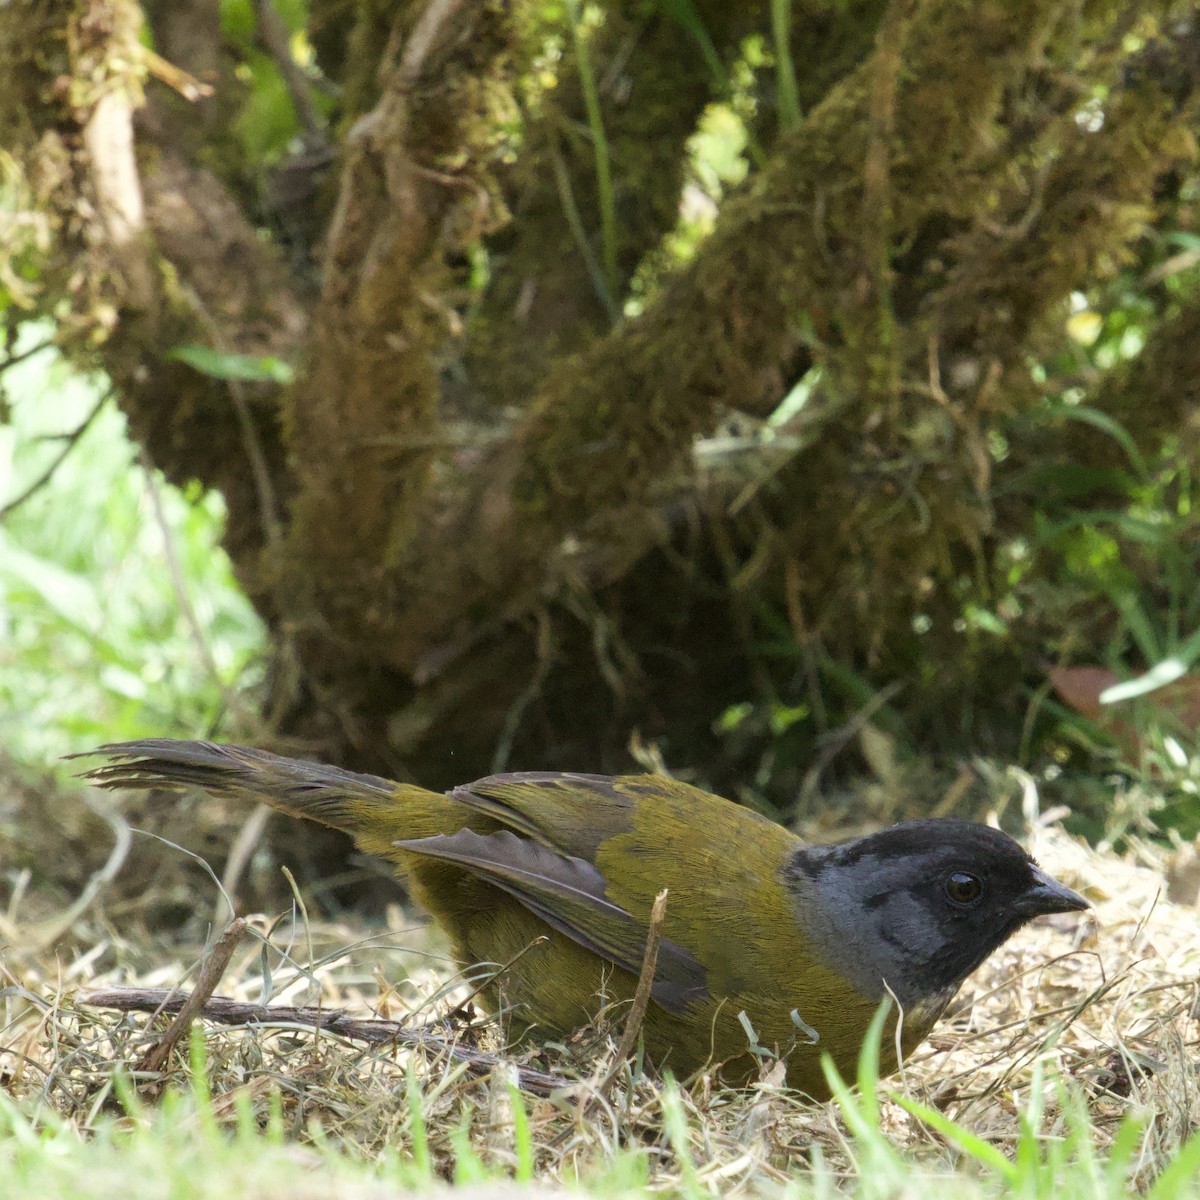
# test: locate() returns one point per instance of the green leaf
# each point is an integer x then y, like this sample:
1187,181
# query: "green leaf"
70,596
248,368
785,73
418,1131
524,1149
1141,628
784,716
1122,1151
675,1126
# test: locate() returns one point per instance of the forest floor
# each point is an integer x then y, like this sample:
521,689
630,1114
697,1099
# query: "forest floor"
1067,1065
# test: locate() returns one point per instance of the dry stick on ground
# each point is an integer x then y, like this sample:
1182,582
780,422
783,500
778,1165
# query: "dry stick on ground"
641,997
224,1011
211,971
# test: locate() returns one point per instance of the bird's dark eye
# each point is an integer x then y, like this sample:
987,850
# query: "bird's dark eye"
964,888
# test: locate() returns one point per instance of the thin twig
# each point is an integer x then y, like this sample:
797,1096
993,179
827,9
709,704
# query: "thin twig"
641,997
223,1011
230,698
275,38
264,491
595,120
566,196
174,77
531,691
71,439
839,738
498,974
211,971
46,935
430,26
242,847
19,356
878,212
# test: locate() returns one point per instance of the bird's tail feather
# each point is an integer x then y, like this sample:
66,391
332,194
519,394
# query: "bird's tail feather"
333,796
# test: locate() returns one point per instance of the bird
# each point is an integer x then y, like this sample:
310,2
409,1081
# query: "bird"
771,947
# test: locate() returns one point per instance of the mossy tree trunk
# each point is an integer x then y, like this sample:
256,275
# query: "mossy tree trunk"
504,522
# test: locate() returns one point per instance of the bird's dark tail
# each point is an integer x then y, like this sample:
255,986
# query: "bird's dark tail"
375,811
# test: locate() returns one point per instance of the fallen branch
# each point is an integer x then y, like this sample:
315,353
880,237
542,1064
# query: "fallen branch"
223,1011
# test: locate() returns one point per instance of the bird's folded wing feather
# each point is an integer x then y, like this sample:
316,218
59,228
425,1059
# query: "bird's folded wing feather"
573,813
568,893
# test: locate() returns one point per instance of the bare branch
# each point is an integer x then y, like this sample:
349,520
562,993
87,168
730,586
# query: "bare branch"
70,441
224,1011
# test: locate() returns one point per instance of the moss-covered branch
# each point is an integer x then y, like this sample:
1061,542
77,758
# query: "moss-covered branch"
416,188
653,82
787,253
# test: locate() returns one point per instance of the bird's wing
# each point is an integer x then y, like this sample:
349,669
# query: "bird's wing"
568,893
728,911
575,813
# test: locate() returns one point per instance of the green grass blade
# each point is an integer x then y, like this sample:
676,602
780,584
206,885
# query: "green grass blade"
604,184
981,1151
790,115
1176,1180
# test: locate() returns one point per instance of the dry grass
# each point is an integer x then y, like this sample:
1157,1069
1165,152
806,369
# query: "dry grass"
1105,1005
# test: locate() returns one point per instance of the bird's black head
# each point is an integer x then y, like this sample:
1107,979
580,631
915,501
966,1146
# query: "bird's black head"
920,905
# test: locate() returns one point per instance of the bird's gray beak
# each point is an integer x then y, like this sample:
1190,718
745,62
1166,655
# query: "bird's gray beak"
1047,895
